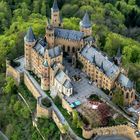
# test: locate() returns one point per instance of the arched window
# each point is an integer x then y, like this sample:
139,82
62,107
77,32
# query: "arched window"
68,48
63,47
127,94
131,94
73,49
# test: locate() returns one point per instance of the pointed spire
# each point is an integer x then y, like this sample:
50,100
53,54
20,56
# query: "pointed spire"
55,6
30,35
48,22
94,61
118,52
85,21
102,66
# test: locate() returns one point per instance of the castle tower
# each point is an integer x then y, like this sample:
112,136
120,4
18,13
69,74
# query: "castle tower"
45,83
29,42
118,57
50,34
85,25
55,15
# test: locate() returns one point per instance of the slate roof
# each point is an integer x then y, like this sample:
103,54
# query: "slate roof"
30,37
40,47
55,6
63,79
54,52
124,81
85,21
45,63
89,38
97,58
68,34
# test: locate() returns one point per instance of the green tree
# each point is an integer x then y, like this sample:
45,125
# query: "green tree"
118,98
36,6
5,16
43,8
75,117
10,86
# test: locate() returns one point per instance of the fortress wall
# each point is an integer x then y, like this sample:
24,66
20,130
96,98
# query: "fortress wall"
72,44
31,86
66,105
123,130
58,122
12,72
43,111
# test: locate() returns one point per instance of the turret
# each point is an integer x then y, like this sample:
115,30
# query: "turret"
55,15
118,57
45,83
50,35
29,42
85,25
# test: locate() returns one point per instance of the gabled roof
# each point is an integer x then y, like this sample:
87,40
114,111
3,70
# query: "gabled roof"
55,6
124,81
40,47
85,21
98,59
54,52
63,79
30,37
45,63
68,34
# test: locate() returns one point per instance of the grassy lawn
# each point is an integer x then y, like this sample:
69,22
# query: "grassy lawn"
68,117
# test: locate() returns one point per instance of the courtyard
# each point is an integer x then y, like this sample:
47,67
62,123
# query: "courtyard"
82,87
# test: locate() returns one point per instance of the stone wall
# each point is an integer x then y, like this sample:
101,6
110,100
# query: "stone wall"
12,72
58,122
69,45
66,105
31,86
123,130
43,111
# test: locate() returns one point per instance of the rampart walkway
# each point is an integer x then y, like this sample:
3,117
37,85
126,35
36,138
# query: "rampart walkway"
56,110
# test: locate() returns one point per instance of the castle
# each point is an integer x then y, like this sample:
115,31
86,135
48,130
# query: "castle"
45,57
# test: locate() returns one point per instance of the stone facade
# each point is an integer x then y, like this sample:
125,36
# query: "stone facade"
123,130
42,111
107,75
14,73
31,86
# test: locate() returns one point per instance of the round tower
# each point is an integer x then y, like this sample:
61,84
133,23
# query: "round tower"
29,42
85,25
55,15
45,83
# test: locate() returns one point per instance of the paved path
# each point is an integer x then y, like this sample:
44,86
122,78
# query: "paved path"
2,136
60,115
